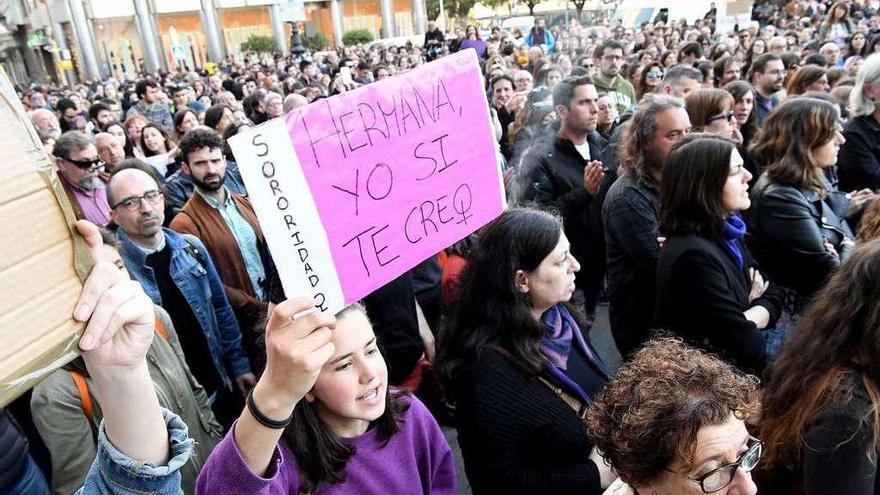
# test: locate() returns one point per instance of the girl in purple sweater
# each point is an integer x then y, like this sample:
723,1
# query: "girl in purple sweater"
322,420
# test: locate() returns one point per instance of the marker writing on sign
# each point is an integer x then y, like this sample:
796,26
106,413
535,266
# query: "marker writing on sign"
368,123
282,204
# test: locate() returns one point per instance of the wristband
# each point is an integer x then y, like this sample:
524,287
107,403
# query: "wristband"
262,419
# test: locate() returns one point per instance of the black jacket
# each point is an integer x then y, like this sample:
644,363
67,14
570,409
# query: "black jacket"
839,435
789,227
702,293
859,160
518,437
13,450
555,178
630,215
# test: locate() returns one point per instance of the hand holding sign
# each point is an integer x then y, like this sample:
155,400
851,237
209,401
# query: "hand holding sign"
296,350
353,190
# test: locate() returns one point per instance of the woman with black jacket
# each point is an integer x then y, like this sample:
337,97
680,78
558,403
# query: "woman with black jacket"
709,290
797,218
518,363
820,419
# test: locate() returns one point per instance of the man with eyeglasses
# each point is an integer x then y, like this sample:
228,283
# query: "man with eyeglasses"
178,274
609,56
768,76
78,166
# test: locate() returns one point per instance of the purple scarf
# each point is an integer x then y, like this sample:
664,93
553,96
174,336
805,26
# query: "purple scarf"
556,342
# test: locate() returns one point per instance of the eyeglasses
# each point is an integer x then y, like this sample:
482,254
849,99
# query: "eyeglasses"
718,479
86,164
724,116
152,197
654,74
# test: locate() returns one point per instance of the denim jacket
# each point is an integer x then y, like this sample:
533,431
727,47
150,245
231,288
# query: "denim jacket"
114,473
195,276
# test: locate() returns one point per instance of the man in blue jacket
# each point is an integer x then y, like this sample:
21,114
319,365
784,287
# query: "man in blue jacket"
177,273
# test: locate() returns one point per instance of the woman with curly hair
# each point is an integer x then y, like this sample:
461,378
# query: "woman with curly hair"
672,422
517,361
821,405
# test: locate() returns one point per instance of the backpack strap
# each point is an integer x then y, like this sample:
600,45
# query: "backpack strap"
82,387
160,329
85,399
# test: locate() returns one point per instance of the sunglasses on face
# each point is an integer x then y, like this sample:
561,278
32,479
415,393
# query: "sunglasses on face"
86,164
654,74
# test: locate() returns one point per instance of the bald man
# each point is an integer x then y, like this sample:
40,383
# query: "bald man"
46,123
294,100
111,152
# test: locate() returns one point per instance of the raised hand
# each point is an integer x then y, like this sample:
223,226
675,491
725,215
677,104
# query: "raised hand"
121,318
296,351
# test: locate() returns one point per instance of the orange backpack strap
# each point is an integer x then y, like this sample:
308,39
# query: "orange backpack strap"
85,400
160,329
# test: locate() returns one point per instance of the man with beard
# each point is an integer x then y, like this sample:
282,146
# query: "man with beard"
177,273
47,126
179,187
227,225
78,166
566,174
630,215
609,58
768,75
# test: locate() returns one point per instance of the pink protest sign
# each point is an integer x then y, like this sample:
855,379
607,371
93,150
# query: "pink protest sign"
354,190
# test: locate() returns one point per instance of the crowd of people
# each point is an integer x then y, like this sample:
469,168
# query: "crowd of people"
715,190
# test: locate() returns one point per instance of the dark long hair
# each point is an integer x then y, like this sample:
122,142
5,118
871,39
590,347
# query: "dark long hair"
787,138
839,331
169,142
738,89
178,119
489,311
320,454
692,183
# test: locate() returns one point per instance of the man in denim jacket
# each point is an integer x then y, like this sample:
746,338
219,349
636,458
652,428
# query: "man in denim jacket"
177,273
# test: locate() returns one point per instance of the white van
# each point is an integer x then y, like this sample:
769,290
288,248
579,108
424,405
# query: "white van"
633,13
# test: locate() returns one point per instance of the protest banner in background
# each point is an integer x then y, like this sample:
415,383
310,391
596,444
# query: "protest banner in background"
352,191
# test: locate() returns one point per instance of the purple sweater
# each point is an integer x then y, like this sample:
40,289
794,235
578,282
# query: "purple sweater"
416,460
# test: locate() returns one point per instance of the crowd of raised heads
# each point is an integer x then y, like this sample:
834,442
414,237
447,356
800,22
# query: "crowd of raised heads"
680,298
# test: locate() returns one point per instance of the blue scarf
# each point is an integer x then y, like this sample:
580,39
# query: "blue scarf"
734,230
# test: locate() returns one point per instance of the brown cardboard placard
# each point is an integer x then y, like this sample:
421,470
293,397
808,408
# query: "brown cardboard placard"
42,260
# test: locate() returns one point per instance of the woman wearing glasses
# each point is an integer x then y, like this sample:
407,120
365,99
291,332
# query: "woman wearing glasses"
709,290
649,79
672,422
821,403
711,110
